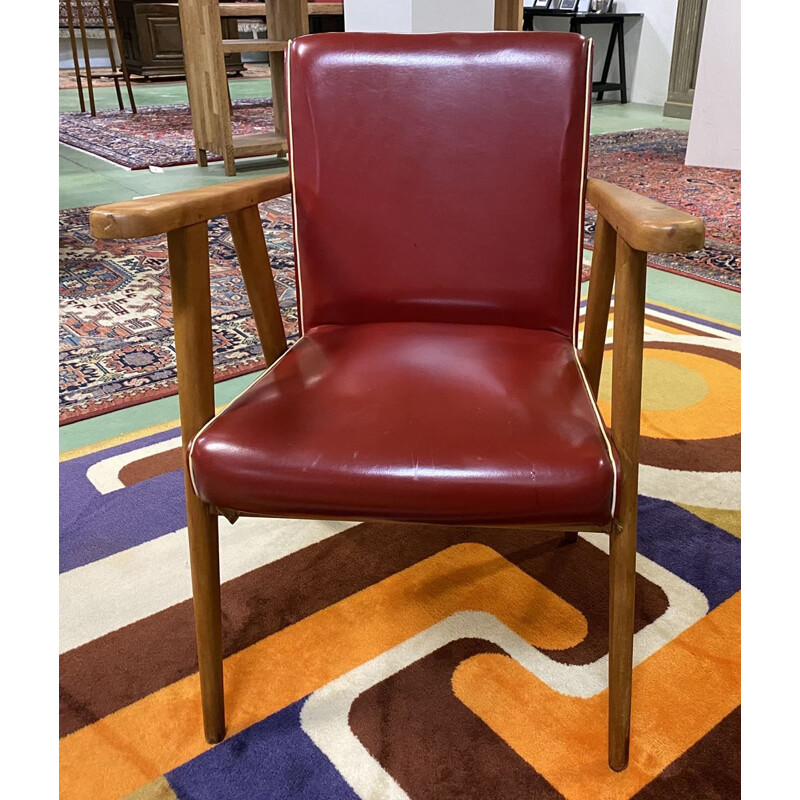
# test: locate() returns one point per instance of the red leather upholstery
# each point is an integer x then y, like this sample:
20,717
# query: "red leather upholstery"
438,190
433,422
439,177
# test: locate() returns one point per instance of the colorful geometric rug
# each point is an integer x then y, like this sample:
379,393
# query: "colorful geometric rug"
409,661
116,345
650,162
159,136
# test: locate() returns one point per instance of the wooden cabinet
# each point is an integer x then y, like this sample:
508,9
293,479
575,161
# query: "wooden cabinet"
151,38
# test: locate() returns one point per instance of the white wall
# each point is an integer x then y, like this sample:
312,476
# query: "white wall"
650,53
418,16
648,40
648,47
431,16
393,16
715,133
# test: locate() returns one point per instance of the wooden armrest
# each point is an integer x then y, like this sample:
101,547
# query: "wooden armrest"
149,216
645,224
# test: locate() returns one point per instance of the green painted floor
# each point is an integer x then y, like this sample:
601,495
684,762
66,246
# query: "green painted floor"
87,181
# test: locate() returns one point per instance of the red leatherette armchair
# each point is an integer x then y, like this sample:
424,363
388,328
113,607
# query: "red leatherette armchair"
437,377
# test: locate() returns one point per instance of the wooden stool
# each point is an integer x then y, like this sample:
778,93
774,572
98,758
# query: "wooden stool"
115,73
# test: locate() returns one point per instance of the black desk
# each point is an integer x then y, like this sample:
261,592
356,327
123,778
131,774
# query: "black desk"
576,21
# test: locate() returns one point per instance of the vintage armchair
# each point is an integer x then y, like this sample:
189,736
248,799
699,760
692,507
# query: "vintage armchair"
438,185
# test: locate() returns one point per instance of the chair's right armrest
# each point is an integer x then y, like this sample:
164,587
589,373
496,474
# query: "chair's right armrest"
645,224
148,216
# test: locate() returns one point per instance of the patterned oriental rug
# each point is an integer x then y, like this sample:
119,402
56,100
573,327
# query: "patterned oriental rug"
650,162
409,661
116,342
67,80
158,136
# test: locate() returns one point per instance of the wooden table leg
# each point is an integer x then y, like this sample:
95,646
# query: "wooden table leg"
607,63
619,27
527,21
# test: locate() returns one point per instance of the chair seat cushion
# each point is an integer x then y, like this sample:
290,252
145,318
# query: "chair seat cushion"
427,422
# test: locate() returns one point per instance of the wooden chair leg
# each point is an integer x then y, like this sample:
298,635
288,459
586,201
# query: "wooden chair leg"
110,47
620,650
204,557
74,46
626,407
86,63
202,158
191,305
123,63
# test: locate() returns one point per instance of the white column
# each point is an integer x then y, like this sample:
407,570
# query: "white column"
418,16
715,136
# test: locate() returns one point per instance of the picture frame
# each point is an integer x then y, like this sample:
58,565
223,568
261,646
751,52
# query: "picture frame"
568,5
541,3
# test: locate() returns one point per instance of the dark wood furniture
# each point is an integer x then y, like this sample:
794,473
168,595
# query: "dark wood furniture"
151,38
576,23
373,413
151,33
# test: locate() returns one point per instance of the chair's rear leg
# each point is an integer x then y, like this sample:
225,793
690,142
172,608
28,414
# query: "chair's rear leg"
204,556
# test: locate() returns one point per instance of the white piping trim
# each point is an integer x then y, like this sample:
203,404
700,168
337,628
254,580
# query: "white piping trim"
582,201
202,430
602,426
300,315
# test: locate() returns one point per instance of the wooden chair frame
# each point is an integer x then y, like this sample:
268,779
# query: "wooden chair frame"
628,227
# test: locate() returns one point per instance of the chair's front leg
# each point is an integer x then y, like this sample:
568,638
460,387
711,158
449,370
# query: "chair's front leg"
204,557
191,304
626,403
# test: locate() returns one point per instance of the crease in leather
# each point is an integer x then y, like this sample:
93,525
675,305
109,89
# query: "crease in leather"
216,417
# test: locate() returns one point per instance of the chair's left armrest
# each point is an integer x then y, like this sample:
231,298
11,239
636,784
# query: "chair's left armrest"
645,224
148,216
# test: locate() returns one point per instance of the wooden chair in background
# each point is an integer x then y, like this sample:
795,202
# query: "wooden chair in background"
104,9
427,385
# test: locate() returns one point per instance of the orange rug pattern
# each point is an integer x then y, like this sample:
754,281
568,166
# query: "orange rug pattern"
411,661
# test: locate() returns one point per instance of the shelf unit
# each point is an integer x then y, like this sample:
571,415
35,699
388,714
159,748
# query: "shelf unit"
204,55
204,52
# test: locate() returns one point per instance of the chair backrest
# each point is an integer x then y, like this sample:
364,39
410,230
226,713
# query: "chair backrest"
439,177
